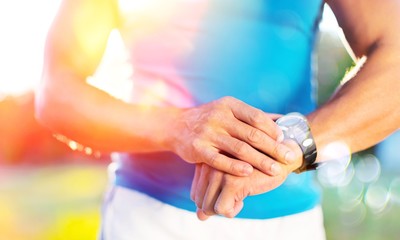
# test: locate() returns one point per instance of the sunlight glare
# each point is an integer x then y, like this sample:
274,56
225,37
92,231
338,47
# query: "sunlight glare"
24,26
329,22
115,70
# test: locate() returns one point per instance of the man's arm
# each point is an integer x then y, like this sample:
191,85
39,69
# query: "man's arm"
365,109
220,133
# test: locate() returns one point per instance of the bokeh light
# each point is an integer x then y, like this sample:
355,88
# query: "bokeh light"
363,196
335,172
377,197
368,169
353,216
351,194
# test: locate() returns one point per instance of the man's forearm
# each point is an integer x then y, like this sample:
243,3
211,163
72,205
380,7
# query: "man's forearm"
93,118
201,134
366,109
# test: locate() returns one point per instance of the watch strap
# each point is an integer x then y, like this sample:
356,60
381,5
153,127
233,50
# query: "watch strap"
308,161
300,132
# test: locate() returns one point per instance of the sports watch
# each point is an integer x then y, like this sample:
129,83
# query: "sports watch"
295,126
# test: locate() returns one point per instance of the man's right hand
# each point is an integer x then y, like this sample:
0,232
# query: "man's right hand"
230,136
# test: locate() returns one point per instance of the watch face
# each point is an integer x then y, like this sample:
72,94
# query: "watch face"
294,126
289,120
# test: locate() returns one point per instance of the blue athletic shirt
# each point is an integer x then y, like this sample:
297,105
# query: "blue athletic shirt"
190,52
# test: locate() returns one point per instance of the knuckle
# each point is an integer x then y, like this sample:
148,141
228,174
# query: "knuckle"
202,129
194,153
245,193
227,99
254,136
230,181
219,210
219,103
213,114
196,144
257,117
213,159
264,165
276,147
207,131
209,211
240,149
233,167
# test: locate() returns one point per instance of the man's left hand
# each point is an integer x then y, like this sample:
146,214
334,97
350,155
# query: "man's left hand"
216,192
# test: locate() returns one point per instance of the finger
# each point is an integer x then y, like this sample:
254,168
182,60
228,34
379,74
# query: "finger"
201,215
261,141
274,116
212,193
226,204
215,159
236,209
256,118
297,153
202,185
195,180
246,153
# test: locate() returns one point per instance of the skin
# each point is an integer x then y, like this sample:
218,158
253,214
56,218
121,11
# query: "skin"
362,112
216,192
220,137
226,134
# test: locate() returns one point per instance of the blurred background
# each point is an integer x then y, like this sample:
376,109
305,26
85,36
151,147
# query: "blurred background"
52,190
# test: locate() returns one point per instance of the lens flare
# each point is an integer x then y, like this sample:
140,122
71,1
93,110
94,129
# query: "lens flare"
377,197
352,194
115,71
368,169
333,175
336,171
353,216
73,145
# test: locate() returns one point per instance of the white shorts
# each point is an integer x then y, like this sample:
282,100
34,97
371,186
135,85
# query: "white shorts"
129,214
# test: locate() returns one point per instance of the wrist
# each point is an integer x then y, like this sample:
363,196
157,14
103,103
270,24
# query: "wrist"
168,134
295,127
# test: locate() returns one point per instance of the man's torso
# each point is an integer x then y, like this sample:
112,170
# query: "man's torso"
189,52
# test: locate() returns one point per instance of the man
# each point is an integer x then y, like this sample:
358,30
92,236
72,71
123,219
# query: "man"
211,77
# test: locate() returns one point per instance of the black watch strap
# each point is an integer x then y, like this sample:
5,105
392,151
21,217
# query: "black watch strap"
309,157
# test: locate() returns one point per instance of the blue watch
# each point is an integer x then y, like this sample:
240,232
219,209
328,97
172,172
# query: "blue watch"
295,126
